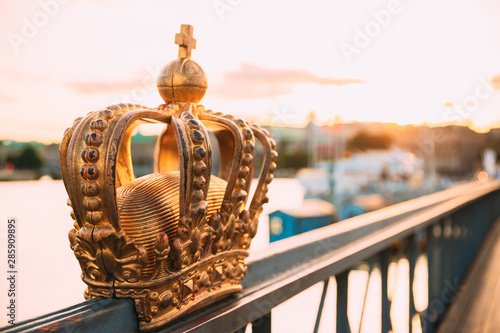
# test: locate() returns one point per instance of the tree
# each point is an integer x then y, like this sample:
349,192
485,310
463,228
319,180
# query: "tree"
27,159
292,160
364,140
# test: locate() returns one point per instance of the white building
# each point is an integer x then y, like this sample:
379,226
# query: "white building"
394,167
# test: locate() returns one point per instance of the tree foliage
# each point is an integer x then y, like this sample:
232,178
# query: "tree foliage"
28,158
295,160
365,140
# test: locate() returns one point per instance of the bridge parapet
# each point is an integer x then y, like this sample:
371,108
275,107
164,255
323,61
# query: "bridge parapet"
447,228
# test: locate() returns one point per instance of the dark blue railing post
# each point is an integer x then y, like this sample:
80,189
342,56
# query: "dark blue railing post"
455,248
371,264
385,257
412,261
241,330
458,247
262,325
465,216
433,266
342,318
445,266
321,305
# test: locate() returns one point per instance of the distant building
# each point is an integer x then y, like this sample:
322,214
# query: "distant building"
355,174
313,214
361,204
452,151
143,153
50,156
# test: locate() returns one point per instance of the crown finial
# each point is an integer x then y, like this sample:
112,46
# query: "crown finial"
182,80
185,41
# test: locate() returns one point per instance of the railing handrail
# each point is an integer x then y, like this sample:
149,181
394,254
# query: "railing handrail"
382,214
365,224
301,275
287,267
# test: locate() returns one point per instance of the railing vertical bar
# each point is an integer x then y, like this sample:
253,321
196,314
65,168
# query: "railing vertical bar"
428,321
366,294
467,246
456,251
262,325
321,304
463,245
441,267
445,263
465,216
386,303
342,319
241,330
412,261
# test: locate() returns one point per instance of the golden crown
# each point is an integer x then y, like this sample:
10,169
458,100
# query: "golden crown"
177,239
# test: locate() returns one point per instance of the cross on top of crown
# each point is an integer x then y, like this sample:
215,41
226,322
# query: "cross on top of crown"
185,41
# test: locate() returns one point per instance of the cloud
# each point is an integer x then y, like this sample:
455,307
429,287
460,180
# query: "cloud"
253,81
8,98
100,87
81,87
12,74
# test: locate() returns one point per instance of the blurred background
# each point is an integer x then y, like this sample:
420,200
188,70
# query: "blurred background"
370,102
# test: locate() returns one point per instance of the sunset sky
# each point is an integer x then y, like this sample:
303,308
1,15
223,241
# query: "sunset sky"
407,61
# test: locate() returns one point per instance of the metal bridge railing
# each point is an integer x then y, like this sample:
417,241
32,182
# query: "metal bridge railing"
447,228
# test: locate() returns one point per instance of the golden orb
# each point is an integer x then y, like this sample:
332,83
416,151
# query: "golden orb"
182,80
